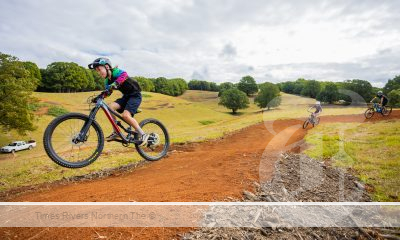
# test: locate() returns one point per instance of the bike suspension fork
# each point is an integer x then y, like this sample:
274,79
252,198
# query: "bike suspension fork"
88,123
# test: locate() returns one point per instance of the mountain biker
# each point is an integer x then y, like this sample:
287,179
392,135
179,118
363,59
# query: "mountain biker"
318,110
383,99
115,78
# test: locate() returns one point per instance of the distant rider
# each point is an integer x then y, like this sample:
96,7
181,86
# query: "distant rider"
383,99
318,110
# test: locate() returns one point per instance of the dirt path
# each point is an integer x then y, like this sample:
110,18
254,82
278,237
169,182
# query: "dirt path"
209,171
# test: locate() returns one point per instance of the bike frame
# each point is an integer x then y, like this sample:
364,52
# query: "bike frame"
310,118
115,124
375,107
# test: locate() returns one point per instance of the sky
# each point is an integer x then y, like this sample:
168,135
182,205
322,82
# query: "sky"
214,40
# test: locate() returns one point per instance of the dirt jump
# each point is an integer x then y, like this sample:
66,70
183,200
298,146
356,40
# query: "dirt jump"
215,170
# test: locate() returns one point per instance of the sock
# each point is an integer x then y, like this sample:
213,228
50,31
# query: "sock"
141,132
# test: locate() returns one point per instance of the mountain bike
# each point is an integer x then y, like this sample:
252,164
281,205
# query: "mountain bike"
75,140
372,108
311,119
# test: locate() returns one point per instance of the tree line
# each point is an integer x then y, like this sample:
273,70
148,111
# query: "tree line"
19,79
329,91
70,77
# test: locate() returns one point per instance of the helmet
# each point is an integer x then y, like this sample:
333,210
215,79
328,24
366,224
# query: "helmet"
100,62
318,103
380,93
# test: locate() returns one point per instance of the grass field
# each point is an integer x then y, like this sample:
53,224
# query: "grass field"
194,116
371,149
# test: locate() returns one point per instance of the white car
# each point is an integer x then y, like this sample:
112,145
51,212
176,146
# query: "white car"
18,146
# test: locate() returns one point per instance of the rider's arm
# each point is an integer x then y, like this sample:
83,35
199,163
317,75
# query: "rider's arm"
310,108
120,76
372,99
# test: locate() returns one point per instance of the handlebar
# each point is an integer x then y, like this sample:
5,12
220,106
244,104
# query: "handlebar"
102,95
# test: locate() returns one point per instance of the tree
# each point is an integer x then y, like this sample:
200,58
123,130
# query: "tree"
299,85
234,99
392,84
65,77
91,84
394,97
33,70
269,96
248,85
225,86
202,85
361,87
214,87
329,93
145,84
311,88
16,86
288,87
161,85
98,81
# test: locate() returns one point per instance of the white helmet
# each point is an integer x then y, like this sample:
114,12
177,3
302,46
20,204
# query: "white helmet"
318,103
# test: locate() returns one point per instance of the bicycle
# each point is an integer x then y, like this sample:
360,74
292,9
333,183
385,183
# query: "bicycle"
75,140
311,119
385,110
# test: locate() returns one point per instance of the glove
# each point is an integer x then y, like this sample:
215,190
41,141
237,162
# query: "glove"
112,86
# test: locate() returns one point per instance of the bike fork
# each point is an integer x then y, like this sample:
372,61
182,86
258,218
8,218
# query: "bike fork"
86,126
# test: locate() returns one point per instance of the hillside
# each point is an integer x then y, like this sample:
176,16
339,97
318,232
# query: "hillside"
194,116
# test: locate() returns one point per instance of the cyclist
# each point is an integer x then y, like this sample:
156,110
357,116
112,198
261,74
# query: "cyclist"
115,78
383,100
318,110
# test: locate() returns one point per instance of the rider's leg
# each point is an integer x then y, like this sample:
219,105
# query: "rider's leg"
316,116
114,106
126,115
131,108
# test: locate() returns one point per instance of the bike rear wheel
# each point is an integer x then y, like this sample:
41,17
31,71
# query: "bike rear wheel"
158,143
369,113
60,141
316,122
387,110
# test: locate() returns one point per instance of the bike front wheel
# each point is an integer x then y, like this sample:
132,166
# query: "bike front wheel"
158,143
369,113
61,144
305,124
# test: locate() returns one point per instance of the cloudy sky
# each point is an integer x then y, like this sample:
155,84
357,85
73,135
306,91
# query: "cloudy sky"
216,40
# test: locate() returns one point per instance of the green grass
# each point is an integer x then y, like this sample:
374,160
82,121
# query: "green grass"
371,149
56,111
206,122
194,116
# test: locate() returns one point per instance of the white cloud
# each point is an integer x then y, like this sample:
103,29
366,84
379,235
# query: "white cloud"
215,40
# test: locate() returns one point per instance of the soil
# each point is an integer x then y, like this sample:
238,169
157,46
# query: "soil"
216,170
286,186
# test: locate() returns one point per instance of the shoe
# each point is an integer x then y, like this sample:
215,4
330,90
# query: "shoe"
112,137
144,139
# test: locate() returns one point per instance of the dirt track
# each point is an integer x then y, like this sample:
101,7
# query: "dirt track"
209,171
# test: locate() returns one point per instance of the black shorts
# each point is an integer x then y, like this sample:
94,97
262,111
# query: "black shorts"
129,102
